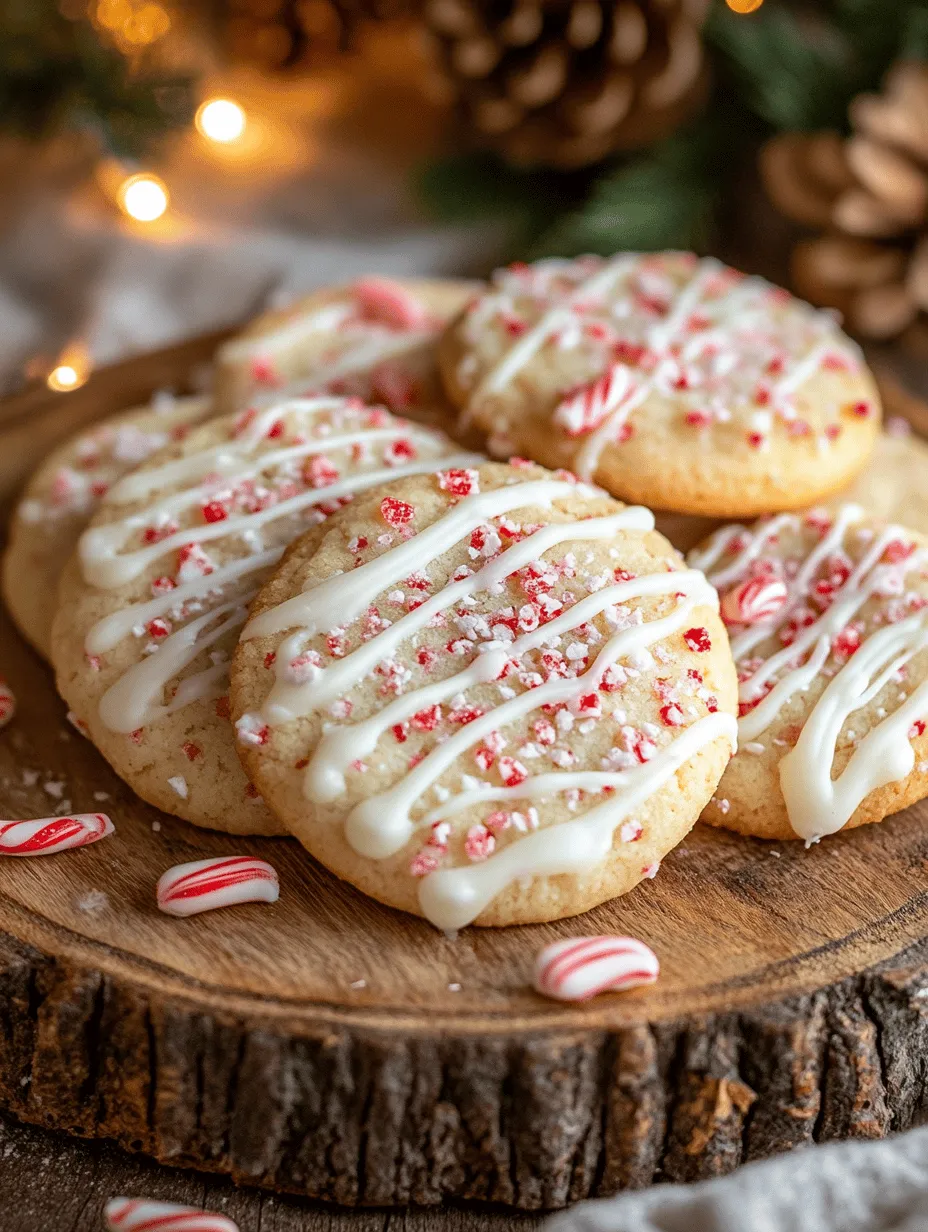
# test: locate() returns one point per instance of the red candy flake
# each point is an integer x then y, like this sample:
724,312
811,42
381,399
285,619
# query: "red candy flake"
834,363
512,772
428,719
158,627
584,409
425,861
589,705
498,821
898,550
537,579
623,575
755,439
154,534
398,452
613,679
459,481
214,511
387,303
193,562
484,757
833,431
223,708
544,732
479,843
762,395
400,732
191,751
464,715
514,326
521,464
917,729
335,645
426,658
698,419
861,409
262,372
161,585
270,658
393,384
252,731
672,715
396,513
698,639
798,428
137,735
846,643
631,353
320,471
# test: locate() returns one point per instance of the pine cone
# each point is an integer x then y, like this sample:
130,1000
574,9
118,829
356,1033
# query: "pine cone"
280,34
562,83
868,194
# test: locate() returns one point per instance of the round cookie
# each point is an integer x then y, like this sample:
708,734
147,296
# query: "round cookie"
374,339
828,615
62,494
672,381
491,696
891,487
151,605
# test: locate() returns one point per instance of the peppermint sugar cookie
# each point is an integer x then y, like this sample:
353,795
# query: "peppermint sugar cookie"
62,494
152,604
672,381
374,339
489,695
828,614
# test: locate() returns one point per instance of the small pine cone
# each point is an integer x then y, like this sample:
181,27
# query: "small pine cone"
868,194
562,83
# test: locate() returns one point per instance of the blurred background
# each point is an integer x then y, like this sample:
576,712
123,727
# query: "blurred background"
168,168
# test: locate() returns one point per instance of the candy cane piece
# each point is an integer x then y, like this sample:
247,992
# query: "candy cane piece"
47,835
754,600
583,967
140,1215
223,881
7,703
387,303
586,408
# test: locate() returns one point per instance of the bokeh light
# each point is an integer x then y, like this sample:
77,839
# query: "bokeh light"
143,197
220,119
744,6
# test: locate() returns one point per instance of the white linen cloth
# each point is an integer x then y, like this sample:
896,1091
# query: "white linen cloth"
844,1187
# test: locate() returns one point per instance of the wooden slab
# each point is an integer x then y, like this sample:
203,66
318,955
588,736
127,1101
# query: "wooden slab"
331,1047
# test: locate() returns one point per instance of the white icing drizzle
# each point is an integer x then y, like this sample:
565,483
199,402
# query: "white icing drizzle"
817,803
131,702
737,331
339,746
135,700
453,897
110,631
350,593
381,825
289,701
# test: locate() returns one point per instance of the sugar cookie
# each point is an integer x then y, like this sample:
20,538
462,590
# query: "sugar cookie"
374,339
487,695
828,613
672,381
64,491
152,604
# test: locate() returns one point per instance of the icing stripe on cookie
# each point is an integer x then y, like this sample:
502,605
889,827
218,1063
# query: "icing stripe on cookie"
817,802
269,477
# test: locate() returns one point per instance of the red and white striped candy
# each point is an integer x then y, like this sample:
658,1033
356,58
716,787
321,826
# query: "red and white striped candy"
47,835
387,303
139,1215
586,408
753,600
583,967
223,881
7,703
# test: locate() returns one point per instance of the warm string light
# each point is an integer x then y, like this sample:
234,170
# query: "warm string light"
220,120
143,196
744,6
72,369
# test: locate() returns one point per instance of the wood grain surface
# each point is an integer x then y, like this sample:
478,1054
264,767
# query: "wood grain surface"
330,1047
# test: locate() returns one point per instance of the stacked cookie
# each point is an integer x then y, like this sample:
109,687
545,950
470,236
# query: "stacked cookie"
487,691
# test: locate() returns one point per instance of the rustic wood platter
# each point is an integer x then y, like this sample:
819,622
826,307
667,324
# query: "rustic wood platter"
330,1047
